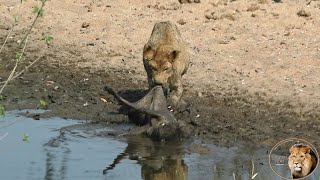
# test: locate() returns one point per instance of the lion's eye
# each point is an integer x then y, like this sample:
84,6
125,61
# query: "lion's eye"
167,69
301,156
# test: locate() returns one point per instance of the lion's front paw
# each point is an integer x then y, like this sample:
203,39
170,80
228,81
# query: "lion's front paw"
173,102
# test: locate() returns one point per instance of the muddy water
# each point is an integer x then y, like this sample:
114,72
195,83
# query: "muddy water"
70,149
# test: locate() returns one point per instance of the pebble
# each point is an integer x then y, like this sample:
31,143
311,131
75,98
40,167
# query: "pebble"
85,25
181,22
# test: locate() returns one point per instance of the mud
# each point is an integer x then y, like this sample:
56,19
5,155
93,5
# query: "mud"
254,76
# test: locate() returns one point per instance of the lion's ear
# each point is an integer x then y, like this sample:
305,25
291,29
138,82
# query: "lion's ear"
308,150
148,52
174,54
291,150
146,47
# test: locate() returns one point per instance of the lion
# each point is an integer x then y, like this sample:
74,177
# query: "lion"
158,161
302,160
166,59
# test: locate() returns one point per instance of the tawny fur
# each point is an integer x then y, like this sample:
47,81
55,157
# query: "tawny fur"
302,161
166,59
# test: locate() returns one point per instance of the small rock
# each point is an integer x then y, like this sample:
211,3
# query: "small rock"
90,44
230,17
89,8
189,1
181,22
36,117
225,41
209,16
253,7
263,1
103,99
194,123
85,25
175,6
303,13
283,43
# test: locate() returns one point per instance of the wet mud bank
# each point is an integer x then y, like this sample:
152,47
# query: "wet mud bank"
215,118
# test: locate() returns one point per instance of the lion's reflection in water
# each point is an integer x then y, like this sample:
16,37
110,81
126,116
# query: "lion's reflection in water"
158,160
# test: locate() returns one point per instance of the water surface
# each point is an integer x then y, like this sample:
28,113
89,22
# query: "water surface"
71,149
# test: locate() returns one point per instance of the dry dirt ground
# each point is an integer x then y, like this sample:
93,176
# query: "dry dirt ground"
254,76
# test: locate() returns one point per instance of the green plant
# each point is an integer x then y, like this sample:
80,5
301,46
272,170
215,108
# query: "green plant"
43,103
2,110
25,137
18,56
38,10
18,59
47,39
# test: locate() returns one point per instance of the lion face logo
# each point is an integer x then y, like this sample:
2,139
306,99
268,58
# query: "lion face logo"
302,160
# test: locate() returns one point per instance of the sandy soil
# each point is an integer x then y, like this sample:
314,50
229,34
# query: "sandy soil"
254,75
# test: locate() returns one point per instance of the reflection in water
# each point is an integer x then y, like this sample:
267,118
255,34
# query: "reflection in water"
158,160
52,154
76,152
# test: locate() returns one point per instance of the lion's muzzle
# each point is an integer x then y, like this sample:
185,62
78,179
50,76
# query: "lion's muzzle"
297,167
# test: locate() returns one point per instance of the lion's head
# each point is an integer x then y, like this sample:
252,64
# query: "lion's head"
159,64
302,160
